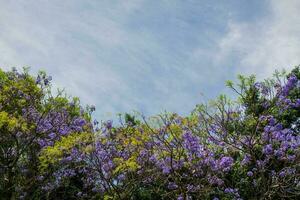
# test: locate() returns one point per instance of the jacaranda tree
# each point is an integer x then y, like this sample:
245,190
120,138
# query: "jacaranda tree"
31,119
246,148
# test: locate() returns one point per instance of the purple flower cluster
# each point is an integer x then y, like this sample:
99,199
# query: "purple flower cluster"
226,153
53,125
192,144
225,163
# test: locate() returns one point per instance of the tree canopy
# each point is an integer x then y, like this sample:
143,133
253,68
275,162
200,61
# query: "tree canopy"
241,148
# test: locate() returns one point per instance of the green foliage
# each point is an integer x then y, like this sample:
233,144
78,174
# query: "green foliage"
25,104
53,154
51,151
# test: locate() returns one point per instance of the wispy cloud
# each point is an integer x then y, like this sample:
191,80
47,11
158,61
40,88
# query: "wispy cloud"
148,55
269,43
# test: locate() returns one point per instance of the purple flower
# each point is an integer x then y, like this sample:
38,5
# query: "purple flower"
282,174
121,177
250,173
96,122
38,79
232,191
42,143
52,135
166,169
261,163
257,85
64,131
68,159
80,122
226,163
268,149
215,181
191,143
246,159
109,124
172,186
297,103
291,157
228,190
46,81
272,121
290,171
279,153
291,83
180,197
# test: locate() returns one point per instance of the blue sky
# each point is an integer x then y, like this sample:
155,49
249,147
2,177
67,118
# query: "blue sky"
148,55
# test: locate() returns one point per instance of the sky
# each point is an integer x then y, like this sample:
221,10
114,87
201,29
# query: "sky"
148,56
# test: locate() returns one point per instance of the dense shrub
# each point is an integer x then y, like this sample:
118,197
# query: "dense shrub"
31,119
246,148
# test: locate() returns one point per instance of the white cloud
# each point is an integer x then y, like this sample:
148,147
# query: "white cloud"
142,55
68,40
270,43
